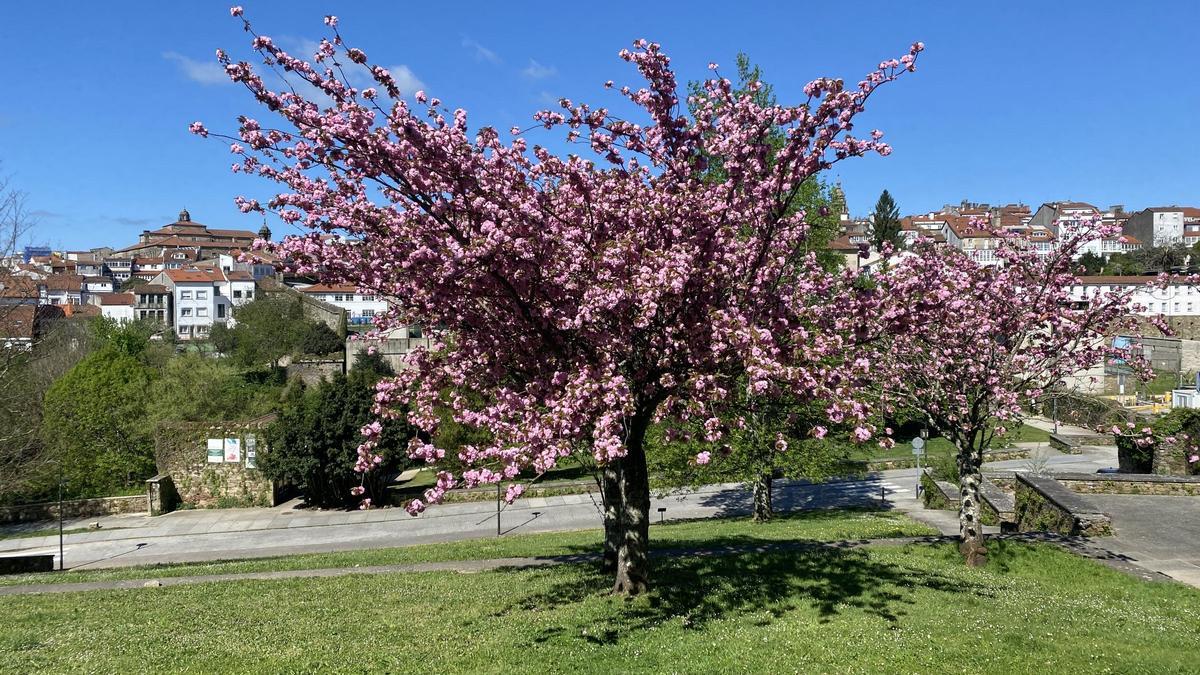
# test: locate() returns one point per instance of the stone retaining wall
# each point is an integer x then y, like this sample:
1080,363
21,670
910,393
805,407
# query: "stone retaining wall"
1130,484
1073,444
1044,505
74,508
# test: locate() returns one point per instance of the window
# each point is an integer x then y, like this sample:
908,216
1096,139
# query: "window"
368,313
1176,307
249,295
338,298
185,311
1189,308
201,295
220,311
237,293
201,311
201,330
185,295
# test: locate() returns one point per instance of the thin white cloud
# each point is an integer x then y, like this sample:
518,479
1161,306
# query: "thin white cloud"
204,72
481,53
537,71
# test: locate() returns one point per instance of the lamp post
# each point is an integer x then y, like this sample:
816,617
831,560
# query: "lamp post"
61,562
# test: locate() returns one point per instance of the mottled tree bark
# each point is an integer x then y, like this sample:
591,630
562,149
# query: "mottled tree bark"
760,489
610,493
969,527
633,513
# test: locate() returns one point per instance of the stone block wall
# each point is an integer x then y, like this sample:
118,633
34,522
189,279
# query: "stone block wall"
74,508
181,452
1130,484
1044,505
312,371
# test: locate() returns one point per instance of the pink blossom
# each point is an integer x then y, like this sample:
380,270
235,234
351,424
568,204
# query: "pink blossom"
703,458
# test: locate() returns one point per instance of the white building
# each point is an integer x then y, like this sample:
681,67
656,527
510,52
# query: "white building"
115,306
203,296
1176,299
360,307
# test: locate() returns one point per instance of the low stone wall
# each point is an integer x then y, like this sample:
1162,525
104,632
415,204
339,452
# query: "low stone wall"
996,506
1044,505
26,564
1130,484
74,508
938,494
1170,459
1073,444
312,371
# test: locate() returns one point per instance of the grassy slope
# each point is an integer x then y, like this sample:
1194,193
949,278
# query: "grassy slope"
941,446
812,525
912,609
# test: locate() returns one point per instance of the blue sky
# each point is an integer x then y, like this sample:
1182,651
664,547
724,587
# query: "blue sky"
1013,101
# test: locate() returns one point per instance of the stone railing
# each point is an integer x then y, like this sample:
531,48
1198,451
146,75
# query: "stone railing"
1073,444
1129,484
74,508
1043,504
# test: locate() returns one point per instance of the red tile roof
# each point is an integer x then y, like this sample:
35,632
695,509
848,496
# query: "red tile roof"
115,298
190,276
346,288
64,282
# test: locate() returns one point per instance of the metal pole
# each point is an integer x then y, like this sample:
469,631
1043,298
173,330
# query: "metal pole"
497,509
61,562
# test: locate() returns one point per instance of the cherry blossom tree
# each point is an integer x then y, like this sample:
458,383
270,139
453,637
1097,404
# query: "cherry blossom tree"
990,339
573,298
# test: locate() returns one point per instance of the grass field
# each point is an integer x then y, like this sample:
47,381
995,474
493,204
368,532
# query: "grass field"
892,609
942,447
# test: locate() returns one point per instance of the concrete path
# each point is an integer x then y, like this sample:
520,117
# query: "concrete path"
1160,533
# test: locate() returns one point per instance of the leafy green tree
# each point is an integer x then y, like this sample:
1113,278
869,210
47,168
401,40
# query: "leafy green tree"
1092,263
885,223
195,388
265,330
1161,258
777,440
93,423
319,339
314,443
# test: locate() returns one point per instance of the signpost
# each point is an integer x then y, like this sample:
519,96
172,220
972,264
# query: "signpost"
918,446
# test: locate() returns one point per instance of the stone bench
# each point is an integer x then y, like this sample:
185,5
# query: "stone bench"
1072,444
1042,504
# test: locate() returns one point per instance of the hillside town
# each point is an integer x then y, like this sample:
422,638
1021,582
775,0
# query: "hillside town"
188,276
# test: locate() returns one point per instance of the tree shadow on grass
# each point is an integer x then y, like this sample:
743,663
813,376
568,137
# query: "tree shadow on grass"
768,584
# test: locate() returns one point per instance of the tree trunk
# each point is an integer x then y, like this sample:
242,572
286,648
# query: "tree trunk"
633,513
760,488
610,495
969,527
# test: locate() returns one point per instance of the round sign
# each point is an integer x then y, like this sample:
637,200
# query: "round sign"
918,443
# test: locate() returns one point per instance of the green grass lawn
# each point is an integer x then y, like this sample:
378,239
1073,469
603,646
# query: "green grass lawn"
895,609
48,532
936,447
816,525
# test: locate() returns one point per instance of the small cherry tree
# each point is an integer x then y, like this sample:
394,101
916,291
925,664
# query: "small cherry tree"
572,299
990,339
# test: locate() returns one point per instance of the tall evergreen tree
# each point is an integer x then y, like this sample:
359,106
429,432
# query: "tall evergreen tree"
885,223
